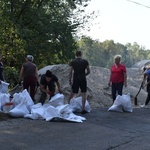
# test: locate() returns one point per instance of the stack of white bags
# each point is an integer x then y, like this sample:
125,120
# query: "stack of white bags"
22,106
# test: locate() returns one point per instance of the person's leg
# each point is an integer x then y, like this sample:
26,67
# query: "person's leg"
71,96
32,86
51,90
42,98
83,87
83,94
148,95
74,89
113,91
26,84
120,88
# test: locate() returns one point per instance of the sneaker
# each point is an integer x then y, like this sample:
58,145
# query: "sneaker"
144,106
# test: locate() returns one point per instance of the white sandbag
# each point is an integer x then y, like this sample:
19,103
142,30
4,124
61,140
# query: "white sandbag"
126,102
17,98
76,105
28,98
117,105
38,111
64,109
23,97
51,112
19,111
4,98
122,103
75,118
31,116
57,100
4,87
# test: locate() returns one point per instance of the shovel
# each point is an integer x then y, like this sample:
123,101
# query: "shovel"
142,86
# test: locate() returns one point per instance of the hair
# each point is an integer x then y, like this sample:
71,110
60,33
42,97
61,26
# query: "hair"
78,53
48,74
117,56
30,57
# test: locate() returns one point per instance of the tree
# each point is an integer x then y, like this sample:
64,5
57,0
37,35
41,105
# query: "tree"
42,28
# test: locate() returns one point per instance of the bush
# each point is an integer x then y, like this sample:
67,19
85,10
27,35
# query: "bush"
11,76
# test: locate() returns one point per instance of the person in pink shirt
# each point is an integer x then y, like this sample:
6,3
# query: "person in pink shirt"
118,77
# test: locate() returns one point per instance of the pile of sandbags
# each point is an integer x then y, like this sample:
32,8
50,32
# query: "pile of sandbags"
23,106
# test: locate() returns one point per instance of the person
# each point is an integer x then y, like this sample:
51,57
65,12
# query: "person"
118,77
1,69
29,75
146,74
79,68
51,81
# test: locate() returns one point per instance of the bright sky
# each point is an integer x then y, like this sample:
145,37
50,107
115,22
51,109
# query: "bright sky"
122,21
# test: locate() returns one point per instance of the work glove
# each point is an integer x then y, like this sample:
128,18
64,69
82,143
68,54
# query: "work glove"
59,91
50,92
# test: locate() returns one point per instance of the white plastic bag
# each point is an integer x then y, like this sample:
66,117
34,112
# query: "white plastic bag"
4,87
19,111
76,104
57,100
4,98
122,103
23,97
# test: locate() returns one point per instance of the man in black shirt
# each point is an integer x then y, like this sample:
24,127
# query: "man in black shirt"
79,67
48,80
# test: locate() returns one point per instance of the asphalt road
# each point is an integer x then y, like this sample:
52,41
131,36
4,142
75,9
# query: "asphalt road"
102,130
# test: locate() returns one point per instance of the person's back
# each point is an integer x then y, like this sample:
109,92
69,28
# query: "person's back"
79,65
29,69
29,74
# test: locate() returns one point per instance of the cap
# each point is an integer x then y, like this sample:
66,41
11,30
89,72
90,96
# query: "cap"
30,57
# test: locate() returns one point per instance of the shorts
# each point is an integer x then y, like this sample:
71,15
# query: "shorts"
78,83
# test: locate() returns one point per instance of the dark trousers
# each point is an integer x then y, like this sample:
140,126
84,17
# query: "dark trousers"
44,95
116,88
43,98
30,82
148,94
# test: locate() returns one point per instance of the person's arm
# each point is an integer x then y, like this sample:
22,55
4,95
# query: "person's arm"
125,78
70,74
88,70
58,86
21,73
110,81
42,87
36,73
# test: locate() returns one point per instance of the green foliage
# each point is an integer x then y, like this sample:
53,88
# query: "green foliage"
11,76
102,53
44,29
